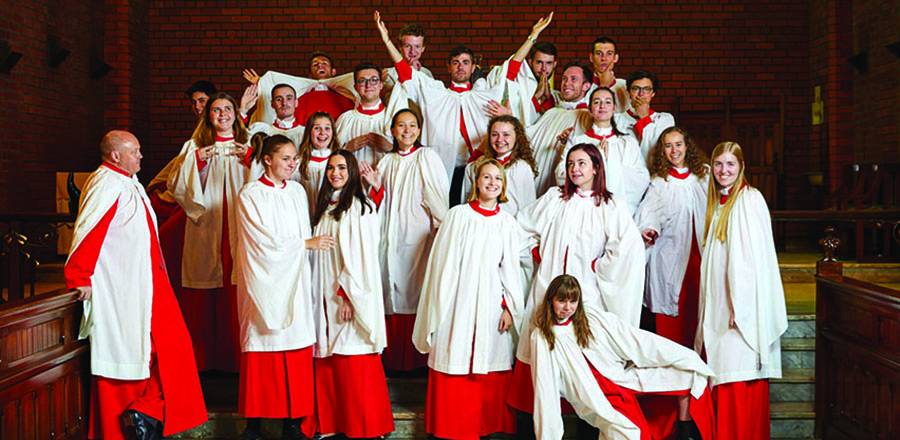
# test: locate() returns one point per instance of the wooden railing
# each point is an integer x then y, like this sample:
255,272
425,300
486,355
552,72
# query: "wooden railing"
26,240
874,233
44,369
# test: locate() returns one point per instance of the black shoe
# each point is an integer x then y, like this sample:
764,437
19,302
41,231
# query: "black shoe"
290,430
139,426
687,430
252,431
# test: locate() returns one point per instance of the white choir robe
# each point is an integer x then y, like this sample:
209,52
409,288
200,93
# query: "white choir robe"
676,209
519,184
393,79
520,92
264,110
353,266
473,269
645,130
626,171
359,122
118,323
414,206
598,245
274,274
295,134
441,112
162,180
745,270
623,99
203,195
624,354
318,160
543,136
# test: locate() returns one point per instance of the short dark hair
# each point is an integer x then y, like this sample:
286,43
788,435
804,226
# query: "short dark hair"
585,71
604,40
412,29
319,53
459,50
641,74
365,65
543,47
282,85
202,86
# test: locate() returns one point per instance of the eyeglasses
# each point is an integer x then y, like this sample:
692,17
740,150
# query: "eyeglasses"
368,81
637,89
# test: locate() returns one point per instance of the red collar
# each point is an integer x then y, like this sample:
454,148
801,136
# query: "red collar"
597,82
371,112
116,169
460,89
505,159
674,173
294,124
225,138
408,152
723,199
318,159
474,205
563,324
592,134
582,106
638,118
265,180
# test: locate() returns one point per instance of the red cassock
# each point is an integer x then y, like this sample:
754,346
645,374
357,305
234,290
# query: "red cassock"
141,352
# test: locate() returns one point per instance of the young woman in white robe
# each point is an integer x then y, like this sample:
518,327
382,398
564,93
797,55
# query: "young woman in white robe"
600,364
351,392
275,294
472,299
671,218
315,149
415,189
507,143
742,310
626,171
583,231
212,169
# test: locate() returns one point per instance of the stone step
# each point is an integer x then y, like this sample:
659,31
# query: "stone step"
796,385
798,353
407,391
792,419
801,326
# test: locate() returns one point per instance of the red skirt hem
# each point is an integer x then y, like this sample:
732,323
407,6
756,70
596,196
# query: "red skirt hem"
452,408
400,353
278,384
352,396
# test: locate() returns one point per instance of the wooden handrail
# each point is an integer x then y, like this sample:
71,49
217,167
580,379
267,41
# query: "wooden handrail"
837,215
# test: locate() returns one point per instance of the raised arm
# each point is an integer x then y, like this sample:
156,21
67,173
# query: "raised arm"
396,57
536,30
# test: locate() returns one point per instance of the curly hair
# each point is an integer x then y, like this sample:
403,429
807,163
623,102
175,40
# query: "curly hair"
521,150
564,288
694,157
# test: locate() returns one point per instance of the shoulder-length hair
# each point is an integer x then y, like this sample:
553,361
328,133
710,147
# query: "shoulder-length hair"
520,151
479,165
612,121
694,157
352,189
205,134
565,288
418,141
304,151
601,193
714,192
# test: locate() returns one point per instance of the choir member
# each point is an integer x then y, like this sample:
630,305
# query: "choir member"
415,189
626,171
670,219
600,364
351,392
412,46
206,185
581,230
143,376
742,311
284,102
366,130
640,120
316,147
471,301
508,144
275,294
604,56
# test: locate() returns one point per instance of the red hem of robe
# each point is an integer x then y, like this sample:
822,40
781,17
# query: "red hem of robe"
742,410
400,353
683,328
352,396
277,384
452,407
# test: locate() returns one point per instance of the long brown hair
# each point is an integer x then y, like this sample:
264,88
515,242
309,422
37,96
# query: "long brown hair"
352,189
479,165
601,193
520,151
694,157
588,122
713,193
565,288
205,134
304,151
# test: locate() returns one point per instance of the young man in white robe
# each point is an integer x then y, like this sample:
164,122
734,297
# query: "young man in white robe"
533,94
604,56
412,45
284,102
640,120
144,378
366,130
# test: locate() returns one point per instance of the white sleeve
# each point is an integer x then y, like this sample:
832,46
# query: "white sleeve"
620,270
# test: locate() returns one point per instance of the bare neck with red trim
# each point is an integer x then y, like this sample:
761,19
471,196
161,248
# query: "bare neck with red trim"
476,205
268,182
116,169
224,138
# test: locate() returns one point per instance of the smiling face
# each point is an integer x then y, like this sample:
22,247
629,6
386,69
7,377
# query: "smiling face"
603,106
675,149
581,170
368,85
198,102
542,64
726,168
604,58
461,68
564,308
221,115
503,138
320,68
405,130
336,172
284,102
281,163
573,85
489,184
321,133
412,47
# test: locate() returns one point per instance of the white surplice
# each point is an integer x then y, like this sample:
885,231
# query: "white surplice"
649,134
357,122
264,110
316,170
543,136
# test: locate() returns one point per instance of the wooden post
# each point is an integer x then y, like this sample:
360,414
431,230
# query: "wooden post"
829,266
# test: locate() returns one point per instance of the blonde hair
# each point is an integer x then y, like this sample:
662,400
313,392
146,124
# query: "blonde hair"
479,165
712,198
